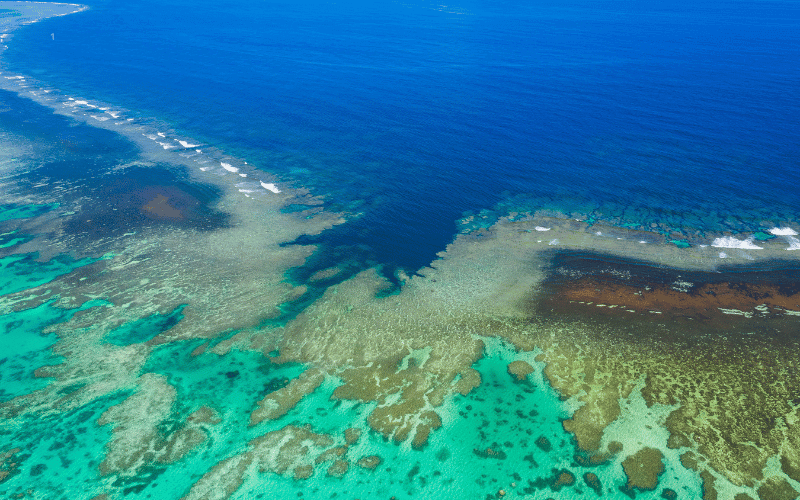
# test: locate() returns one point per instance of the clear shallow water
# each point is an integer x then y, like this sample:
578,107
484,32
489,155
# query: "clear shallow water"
408,115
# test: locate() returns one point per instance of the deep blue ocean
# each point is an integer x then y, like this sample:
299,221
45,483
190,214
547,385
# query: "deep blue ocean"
413,113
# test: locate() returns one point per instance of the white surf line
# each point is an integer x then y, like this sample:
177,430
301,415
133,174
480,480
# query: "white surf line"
731,242
187,144
789,235
269,186
84,108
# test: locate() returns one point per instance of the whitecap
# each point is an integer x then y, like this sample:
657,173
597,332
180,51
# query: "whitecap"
731,242
205,169
540,228
167,145
270,187
723,255
161,134
100,118
783,231
794,243
554,242
228,167
187,144
242,175
246,191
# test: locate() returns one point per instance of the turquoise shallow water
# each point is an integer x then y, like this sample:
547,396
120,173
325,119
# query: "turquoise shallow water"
505,435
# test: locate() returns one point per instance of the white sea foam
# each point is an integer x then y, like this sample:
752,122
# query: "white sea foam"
723,255
270,187
167,145
205,169
187,144
731,242
794,243
161,134
783,231
242,175
85,103
246,191
540,228
228,167
100,118
114,114
554,242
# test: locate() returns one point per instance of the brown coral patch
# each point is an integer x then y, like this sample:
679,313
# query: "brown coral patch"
351,435
276,404
404,398
370,462
611,286
593,482
139,196
160,207
338,468
519,369
777,488
564,478
303,471
8,464
291,449
643,469
331,454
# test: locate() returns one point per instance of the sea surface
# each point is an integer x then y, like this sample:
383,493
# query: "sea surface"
414,112
190,192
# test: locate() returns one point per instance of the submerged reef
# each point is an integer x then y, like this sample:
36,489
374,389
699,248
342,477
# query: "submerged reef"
660,370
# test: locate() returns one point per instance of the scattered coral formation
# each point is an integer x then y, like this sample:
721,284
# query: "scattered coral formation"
643,469
520,369
291,450
137,436
276,404
9,463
